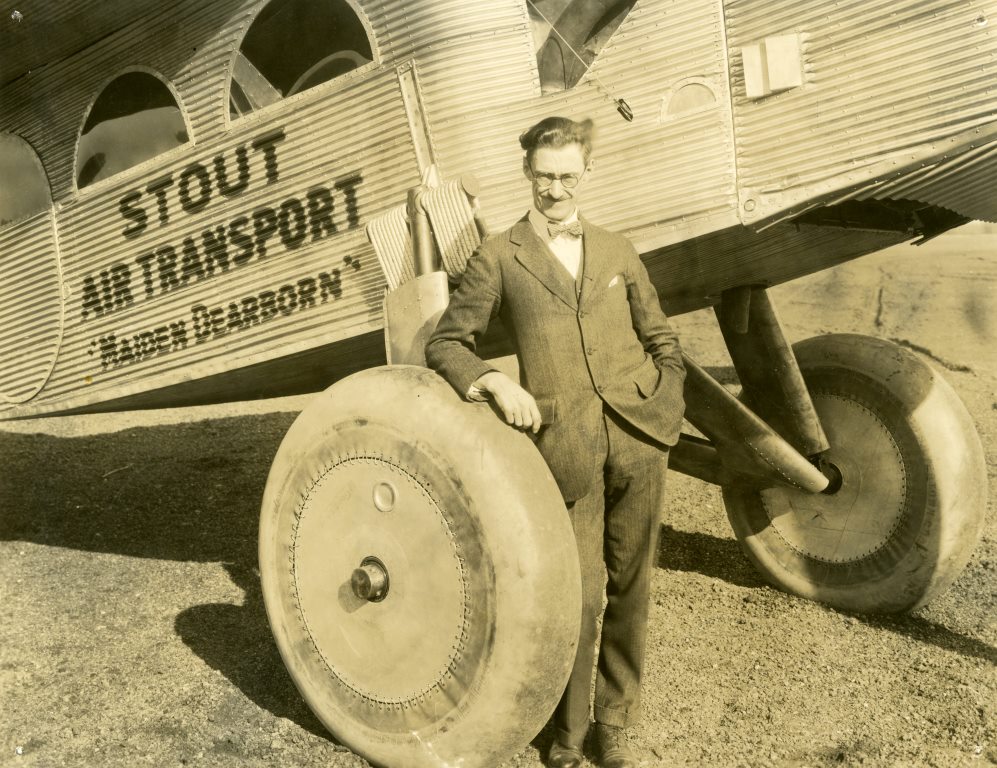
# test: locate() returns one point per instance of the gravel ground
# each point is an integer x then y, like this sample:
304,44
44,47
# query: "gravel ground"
132,629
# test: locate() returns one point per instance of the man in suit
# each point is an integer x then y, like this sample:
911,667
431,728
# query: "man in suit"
601,388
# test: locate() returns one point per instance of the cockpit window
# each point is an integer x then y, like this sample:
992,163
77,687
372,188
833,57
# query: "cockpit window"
24,191
135,117
294,45
569,34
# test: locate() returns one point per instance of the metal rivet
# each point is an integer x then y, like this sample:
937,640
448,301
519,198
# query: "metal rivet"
385,496
749,205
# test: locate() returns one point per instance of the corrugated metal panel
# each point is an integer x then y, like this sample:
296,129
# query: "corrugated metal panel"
653,177
181,41
45,31
392,241
658,178
888,86
326,143
693,274
30,306
963,183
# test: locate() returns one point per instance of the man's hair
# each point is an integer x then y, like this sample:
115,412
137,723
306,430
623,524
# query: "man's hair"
557,132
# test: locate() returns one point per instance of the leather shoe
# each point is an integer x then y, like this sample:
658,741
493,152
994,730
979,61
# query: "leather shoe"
561,756
612,748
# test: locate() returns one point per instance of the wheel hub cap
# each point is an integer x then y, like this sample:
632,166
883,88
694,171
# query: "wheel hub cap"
863,514
379,581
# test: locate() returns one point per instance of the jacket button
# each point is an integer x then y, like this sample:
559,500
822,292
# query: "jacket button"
589,351
598,387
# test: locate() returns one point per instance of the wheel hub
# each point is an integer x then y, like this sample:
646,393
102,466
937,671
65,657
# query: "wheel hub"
370,580
379,581
869,501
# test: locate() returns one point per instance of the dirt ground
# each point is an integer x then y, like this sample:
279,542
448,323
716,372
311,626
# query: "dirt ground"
132,629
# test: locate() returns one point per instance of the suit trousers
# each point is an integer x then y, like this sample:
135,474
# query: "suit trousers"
616,528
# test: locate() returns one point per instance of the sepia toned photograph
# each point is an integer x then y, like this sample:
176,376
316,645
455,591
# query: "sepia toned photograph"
498,383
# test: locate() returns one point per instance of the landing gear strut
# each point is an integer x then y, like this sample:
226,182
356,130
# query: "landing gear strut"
851,472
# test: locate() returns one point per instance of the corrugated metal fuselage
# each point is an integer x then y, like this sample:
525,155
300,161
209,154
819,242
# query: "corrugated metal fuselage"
235,265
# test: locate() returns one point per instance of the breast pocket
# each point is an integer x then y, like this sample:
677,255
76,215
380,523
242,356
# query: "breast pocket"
610,301
616,289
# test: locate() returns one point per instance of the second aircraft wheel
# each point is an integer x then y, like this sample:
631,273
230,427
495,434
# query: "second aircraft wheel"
908,490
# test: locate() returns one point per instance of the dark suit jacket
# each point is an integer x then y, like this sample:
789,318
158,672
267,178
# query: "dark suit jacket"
612,345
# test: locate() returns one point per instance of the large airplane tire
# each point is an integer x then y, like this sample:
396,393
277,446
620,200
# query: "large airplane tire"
419,571
906,505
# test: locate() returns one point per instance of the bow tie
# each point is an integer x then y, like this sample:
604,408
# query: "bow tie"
573,229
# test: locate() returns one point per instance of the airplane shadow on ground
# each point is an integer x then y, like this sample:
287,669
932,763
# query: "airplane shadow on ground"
709,555
722,559
191,492
187,493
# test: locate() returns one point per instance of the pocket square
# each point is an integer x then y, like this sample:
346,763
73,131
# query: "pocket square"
614,281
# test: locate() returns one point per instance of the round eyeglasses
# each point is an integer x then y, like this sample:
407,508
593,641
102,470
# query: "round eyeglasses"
544,180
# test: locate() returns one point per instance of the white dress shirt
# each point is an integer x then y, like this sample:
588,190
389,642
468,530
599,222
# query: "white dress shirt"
566,248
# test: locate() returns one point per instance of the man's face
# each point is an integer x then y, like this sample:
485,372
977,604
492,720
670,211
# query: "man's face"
547,173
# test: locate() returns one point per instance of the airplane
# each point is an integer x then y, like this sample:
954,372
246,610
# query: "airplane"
213,201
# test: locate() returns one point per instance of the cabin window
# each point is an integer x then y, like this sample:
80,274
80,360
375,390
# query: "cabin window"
25,190
691,97
135,118
569,34
688,97
294,45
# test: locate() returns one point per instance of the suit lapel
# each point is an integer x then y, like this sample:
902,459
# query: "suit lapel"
538,260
